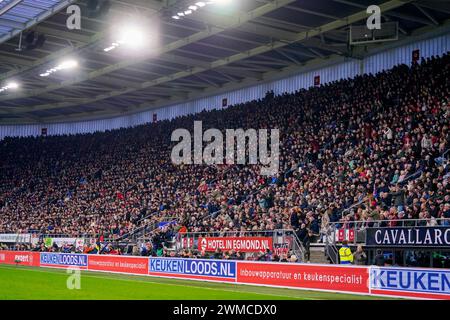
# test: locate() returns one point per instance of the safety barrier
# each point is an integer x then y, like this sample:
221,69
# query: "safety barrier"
379,281
248,243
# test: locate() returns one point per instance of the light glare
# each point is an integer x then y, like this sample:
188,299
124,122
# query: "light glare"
132,36
12,85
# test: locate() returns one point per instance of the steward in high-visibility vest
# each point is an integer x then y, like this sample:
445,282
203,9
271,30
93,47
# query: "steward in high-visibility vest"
345,254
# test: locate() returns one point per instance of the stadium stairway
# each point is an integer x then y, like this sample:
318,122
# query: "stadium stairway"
317,254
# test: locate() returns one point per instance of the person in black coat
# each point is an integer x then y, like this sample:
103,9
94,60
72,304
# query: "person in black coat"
379,260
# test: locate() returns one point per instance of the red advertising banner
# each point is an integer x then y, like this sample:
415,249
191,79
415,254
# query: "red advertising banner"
351,235
340,235
317,80
133,265
283,247
241,244
333,278
345,234
187,242
23,258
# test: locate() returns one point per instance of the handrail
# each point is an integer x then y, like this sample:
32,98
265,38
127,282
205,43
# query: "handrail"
354,205
418,172
297,246
360,224
237,232
404,180
445,152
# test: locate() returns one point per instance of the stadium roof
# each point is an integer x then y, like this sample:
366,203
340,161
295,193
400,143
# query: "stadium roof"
210,51
18,15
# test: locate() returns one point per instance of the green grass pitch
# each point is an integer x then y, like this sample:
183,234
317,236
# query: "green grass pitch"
26,283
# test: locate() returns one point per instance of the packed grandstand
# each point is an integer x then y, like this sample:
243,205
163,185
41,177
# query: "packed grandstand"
354,153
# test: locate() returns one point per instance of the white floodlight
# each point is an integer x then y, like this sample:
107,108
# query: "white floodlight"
12,85
132,37
68,64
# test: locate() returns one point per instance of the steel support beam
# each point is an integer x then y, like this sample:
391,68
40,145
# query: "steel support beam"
386,6
230,22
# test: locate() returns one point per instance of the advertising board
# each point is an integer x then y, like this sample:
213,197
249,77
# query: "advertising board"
409,237
20,257
388,281
241,244
306,276
122,264
223,270
63,260
413,282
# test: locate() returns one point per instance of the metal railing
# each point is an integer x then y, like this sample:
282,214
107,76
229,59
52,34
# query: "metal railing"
190,240
412,176
331,251
360,227
144,230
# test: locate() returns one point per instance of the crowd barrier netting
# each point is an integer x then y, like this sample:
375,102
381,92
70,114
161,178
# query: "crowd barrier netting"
366,280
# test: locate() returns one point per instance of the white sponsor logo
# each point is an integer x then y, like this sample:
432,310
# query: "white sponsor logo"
251,146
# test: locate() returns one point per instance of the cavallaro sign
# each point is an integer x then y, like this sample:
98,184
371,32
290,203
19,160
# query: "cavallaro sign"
409,237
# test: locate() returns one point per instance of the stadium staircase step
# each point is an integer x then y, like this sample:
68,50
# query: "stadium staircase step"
317,254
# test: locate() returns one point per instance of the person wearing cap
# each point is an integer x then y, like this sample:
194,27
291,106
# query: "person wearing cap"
345,254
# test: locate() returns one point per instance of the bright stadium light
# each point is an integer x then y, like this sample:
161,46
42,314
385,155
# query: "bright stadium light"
221,2
12,85
130,36
198,5
68,64
65,65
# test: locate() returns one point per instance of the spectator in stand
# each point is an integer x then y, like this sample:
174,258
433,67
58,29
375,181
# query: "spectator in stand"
341,144
359,256
379,259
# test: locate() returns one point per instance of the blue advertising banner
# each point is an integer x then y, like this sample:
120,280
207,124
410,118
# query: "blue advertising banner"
193,267
64,259
432,281
409,237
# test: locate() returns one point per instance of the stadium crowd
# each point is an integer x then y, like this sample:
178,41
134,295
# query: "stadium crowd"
378,140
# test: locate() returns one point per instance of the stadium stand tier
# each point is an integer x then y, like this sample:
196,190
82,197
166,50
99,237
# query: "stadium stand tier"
352,151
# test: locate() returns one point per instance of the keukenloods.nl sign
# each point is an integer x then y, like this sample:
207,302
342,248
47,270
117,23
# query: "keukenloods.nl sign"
390,281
